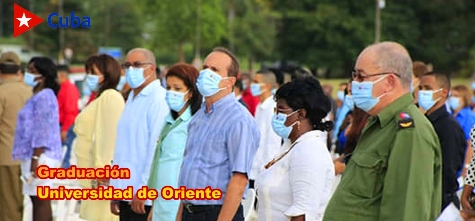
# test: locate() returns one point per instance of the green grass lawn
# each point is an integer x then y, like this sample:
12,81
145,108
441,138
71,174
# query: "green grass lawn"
335,82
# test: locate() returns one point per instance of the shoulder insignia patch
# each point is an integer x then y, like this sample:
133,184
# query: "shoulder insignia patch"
405,121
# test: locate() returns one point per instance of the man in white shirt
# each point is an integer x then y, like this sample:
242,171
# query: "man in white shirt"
270,143
138,130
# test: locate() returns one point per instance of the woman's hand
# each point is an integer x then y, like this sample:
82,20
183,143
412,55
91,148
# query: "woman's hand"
467,190
33,166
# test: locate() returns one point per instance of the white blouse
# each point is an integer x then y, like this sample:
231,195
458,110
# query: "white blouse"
299,183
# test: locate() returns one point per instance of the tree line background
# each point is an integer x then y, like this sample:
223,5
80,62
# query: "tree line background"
323,35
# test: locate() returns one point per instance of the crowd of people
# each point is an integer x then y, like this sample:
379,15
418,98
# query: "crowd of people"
392,145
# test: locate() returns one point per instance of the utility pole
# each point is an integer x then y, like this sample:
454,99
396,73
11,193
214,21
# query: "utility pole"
380,4
197,60
231,15
1,19
61,31
32,31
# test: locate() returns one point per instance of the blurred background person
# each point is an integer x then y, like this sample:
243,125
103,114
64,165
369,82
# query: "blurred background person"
68,101
68,97
251,101
433,92
13,96
419,68
37,134
296,184
95,128
238,88
184,100
270,143
459,102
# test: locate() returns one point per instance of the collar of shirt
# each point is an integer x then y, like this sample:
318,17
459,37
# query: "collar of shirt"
145,91
238,97
219,103
388,113
267,102
437,114
185,116
10,80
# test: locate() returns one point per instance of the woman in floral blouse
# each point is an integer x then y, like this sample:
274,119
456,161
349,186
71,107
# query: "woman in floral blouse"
37,134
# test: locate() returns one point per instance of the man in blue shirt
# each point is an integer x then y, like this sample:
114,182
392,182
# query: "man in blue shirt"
223,138
137,132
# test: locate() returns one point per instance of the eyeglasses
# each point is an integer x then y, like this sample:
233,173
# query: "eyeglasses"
136,64
356,75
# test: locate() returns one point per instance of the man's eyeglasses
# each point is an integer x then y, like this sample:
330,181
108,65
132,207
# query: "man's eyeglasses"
356,75
136,64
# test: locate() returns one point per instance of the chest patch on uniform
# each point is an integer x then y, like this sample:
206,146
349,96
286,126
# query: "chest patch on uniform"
405,121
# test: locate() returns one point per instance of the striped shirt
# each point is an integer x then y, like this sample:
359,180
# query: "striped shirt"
219,143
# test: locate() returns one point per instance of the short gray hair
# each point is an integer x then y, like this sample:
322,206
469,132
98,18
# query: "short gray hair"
147,53
393,57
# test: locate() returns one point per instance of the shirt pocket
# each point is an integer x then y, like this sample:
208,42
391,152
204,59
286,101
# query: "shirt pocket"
366,179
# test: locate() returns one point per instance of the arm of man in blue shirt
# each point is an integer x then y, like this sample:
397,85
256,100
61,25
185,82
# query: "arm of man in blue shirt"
242,143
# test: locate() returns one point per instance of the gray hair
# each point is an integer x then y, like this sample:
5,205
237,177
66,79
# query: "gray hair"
149,57
393,57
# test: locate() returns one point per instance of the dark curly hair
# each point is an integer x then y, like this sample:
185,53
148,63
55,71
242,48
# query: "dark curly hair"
307,93
47,69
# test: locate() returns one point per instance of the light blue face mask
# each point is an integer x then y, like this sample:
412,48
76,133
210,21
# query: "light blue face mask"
362,93
454,103
92,82
29,79
349,102
426,100
121,84
278,124
208,82
175,100
134,77
273,91
340,95
473,85
256,89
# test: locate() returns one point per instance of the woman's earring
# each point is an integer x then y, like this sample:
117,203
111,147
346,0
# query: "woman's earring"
298,125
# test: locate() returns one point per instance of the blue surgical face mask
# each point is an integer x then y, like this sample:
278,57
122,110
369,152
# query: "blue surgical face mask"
454,103
29,79
473,85
208,83
121,83
340,95
278,124
349,102
92,82
426,100
134,77
362,93
273,91
256,89
175,100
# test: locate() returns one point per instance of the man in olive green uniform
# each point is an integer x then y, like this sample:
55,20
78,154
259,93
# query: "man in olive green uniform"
395,171
13,96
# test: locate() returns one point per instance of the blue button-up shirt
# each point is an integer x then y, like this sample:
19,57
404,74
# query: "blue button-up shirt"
219,143
137,133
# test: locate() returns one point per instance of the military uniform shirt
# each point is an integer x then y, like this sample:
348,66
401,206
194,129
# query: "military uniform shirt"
395,171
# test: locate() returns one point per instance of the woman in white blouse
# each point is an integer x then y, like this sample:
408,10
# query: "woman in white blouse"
296,185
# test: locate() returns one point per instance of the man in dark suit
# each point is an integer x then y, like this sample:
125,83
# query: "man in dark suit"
238,88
